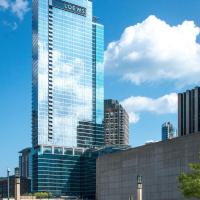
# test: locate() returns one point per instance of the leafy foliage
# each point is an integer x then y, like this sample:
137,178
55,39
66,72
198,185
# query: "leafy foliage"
190,182
43,195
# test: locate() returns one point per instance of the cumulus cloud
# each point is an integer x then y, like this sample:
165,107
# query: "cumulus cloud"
20,8
4,4
13,26
134,117
136,105
153,50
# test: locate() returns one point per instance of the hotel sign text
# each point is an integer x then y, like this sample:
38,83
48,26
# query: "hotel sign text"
69,7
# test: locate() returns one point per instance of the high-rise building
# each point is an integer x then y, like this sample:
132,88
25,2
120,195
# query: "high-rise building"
68,93
116,123
189,112
68,87
168,131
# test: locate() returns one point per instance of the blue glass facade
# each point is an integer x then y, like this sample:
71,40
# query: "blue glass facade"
68,85
68,97
68,172
58,173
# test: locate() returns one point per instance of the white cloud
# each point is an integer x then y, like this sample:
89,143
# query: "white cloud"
135,105
134,117
13,26
4,4
153,50
20,8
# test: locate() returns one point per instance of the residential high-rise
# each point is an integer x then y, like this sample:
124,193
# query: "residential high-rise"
168,131
189,112
68,93
116,123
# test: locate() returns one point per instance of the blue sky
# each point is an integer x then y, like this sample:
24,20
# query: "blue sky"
144,67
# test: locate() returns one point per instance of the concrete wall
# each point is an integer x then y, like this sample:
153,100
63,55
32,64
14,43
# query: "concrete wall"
159,164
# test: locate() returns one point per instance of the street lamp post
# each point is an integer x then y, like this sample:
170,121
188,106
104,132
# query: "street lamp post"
17,184
8,176
139,187
131,197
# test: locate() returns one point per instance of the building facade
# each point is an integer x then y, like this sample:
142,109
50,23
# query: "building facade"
24,189
57,170
168,131
116,123
189,112
159,164
68,93
24,163
68,88
70,172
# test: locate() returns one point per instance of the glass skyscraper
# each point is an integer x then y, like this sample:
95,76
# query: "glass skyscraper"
68,88
67,93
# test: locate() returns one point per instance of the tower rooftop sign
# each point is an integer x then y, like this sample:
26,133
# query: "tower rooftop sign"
69,7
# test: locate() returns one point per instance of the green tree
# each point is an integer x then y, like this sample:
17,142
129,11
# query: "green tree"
43,195
190,182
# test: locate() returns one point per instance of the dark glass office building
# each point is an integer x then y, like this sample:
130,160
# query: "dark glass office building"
189,112
68,95
68,172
